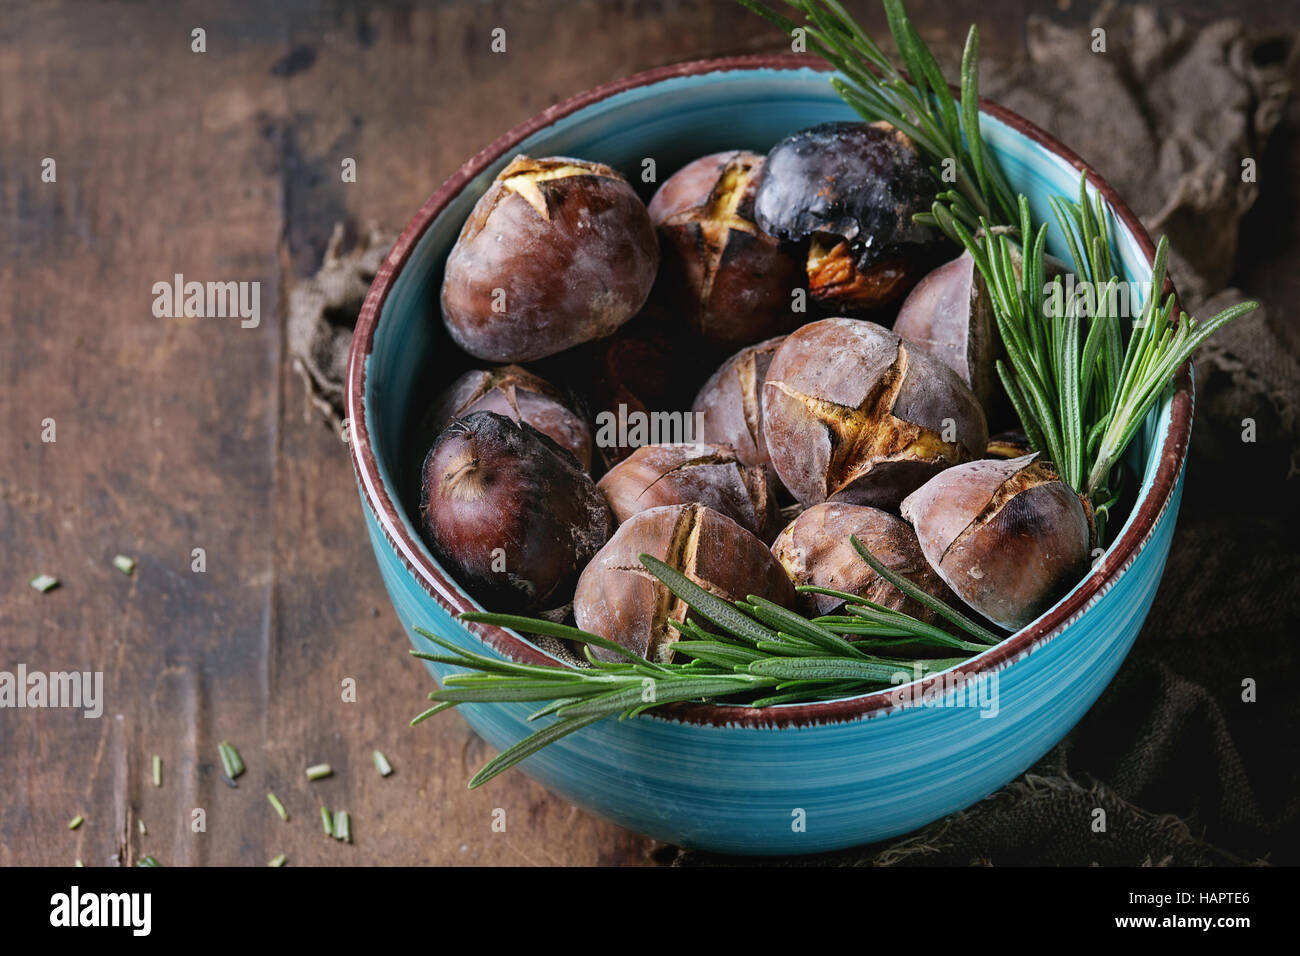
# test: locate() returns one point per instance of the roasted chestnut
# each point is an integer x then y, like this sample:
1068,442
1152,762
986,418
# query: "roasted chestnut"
509,512
950,316
815,549
730,405
732,281
851,189
557,252
678,474
519,395
1009,537
619,599
851,414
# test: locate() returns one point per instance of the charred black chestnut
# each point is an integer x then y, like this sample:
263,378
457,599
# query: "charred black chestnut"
730,405
851,189
519,395
509,512
557,252
850,413
619,599
1008,536
815,549
732,281
678,474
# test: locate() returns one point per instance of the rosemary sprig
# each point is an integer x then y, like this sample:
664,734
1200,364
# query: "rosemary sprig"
761,654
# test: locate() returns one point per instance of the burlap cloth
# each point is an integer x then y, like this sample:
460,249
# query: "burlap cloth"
1188,772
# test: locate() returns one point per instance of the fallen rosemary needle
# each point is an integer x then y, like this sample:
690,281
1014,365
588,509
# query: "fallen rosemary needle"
319,771
753,653
231,762
278,807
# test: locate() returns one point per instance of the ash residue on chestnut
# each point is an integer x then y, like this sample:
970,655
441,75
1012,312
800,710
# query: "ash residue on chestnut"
522,397
731,280
852,190
730,404
1009,537
509,512
815,549
851,414
619,599
557,252
711,475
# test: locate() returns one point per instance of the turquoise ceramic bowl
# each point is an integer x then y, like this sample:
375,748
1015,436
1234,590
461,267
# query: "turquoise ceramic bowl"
778,780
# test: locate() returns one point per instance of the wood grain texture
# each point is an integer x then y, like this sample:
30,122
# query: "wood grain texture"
175,434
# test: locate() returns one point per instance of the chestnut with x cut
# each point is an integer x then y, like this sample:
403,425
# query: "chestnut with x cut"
1008,536
731,403
522,396
619,599
557,252
850,413
733,282
693,472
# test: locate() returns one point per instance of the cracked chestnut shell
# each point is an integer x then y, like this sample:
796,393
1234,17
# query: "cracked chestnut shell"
557,252
619,599
950,316
815,549
730,404
675,474
731,280
1009,537
850,413
521,396
509,512
850,190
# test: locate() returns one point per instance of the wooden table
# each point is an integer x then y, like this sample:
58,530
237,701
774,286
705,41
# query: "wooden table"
179,434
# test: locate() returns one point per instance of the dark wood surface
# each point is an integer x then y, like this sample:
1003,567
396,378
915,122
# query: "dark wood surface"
176,434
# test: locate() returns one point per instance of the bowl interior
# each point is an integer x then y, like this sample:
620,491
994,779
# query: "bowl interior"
670,122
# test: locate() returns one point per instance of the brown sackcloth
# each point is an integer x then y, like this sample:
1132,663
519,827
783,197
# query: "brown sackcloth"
1187,771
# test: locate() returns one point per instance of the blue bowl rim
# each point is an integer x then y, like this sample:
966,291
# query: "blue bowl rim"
443,589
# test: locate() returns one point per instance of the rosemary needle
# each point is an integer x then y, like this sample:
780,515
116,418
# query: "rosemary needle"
279,807
124,564
76,821
147,861
343,826
44,582
278,860
318,771
327,821
157,770
139,823
230,759
382,764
